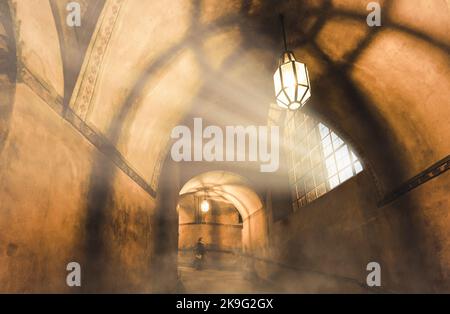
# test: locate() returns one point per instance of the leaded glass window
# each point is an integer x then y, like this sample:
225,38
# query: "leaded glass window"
319,160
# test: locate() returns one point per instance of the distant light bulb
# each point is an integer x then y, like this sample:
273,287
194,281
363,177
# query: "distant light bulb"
204,206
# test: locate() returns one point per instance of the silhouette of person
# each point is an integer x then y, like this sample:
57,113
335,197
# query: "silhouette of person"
199,254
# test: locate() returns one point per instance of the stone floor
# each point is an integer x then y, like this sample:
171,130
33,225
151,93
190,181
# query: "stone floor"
214,280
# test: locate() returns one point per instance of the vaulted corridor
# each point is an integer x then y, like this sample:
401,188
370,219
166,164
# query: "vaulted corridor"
138,138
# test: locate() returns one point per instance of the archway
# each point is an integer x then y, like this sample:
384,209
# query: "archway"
233,227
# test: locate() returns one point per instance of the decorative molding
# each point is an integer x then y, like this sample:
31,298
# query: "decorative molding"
238,226
55,101
430,173
83,93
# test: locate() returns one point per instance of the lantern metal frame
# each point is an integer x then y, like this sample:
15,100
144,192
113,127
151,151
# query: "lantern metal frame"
301,85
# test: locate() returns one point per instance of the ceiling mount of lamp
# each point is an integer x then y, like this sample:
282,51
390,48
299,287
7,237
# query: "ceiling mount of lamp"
291,79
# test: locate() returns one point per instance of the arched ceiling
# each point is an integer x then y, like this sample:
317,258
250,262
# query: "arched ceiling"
74,40
225,186
151,65
38,44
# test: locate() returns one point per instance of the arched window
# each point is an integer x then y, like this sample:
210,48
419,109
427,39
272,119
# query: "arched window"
318,159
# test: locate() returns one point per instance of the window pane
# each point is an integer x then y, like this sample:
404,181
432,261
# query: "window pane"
334,182
316,156
342,158
326,140
354,158
319,159
309,183
311,196
324,131
319,176
337,142
321,190
331,166
312,140
358,167
345,174
327,150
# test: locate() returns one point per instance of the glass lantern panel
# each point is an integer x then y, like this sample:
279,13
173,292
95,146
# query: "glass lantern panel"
301,92
277,81
289,80
290,91
282,100
301,73
307,96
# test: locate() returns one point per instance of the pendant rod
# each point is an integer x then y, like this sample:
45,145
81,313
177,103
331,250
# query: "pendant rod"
284,31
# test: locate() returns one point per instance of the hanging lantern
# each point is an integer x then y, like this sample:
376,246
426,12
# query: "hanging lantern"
291,80
204,206
292,86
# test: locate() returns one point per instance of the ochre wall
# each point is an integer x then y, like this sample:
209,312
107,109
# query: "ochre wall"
216,237
62,198
53,185
326,246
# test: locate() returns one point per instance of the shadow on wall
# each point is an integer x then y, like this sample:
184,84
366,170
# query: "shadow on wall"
8,70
